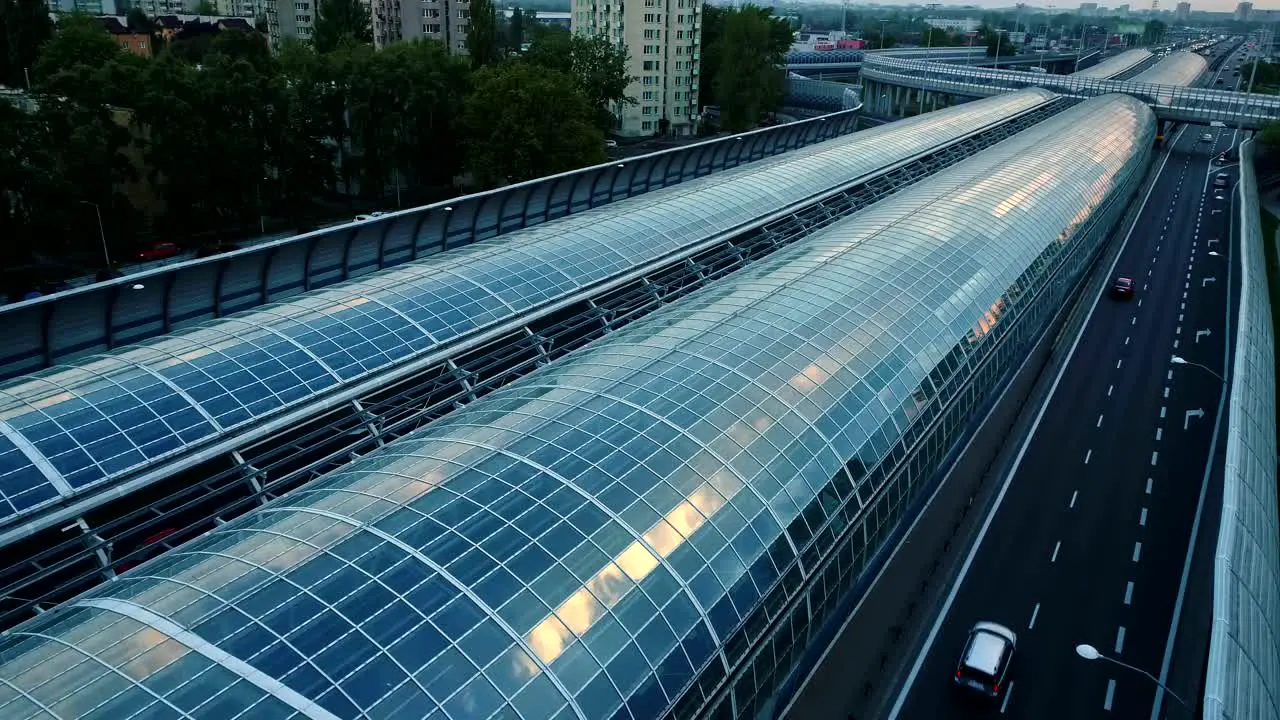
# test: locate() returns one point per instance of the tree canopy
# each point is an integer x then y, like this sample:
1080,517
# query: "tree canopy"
24,27
482,34
597,67
753,43
341,22
525,121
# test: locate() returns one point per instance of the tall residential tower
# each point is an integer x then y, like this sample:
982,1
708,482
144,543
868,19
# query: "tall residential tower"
663,41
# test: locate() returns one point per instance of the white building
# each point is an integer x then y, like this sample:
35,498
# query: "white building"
958,25
663,40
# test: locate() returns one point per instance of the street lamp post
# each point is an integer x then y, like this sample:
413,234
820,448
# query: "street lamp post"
999,37
882,24
101,233
1179,360
1089,652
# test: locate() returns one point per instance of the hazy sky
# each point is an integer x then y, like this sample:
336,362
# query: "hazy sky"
1066,5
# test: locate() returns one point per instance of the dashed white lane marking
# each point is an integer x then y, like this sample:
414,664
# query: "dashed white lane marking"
1126,339
1099,421
1142,519
1137,550
1168,375
1128,593
1008,693
1088,454
1119,639
1166,392
1155,454
1111,693
1056,547
1119,363
1036,611
1074,493
1133,321
1163,409
1148,486
1159,433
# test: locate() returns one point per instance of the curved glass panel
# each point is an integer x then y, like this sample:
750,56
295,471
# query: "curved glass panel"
100,417
589,540
1114,66
1179,68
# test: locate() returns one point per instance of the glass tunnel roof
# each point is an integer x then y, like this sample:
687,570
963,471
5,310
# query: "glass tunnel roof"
580,543
1113,66
1179,68
75,426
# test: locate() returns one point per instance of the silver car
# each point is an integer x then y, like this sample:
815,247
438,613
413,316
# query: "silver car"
984,664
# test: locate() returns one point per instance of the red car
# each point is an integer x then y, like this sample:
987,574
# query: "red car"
159,251
1122,288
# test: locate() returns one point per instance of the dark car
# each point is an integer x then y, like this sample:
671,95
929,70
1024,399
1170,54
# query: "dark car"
159,251
1122,288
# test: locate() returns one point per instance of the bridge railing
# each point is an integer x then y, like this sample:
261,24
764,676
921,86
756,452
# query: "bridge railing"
1179,103
49,330
1242,679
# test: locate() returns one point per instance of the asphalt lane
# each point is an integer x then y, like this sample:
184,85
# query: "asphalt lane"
1089,543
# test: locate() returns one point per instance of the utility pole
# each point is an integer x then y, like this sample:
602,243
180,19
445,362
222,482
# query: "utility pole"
844,16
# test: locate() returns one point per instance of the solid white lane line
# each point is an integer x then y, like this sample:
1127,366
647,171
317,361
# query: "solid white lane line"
1128,593
1137,550
1056,547
1008,693
1120,640
1111,693
1143,519
1088,454
1074,493
1035,612
1148,486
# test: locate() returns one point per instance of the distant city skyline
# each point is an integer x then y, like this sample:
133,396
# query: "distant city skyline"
1061,6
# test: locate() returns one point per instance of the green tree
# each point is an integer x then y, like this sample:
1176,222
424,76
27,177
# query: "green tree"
997,42
205,7
524,121
482,34
598,68
874,41
341,21
79,41
1270,134
936,37
24,27
751,47
138,20
1153,32
515,30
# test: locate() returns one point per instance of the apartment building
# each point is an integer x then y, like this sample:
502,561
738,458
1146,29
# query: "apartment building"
445,21
1182,12
663,40
391,21
237,8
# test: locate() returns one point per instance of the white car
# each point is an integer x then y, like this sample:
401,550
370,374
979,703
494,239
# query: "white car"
370,216
984,664
1207,137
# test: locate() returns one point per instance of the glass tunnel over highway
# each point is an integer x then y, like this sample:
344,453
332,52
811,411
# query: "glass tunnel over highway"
643,528
74,428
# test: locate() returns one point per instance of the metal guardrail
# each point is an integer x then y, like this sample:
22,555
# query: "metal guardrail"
1174,103
822,95
1242,679
47,331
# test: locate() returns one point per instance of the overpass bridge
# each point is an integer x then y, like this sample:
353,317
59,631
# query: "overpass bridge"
890,83
846,63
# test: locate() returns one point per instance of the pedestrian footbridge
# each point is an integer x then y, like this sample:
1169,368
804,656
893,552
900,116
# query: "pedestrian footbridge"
885,78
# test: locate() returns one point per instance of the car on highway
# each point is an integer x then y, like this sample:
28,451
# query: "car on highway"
1207,137
370,216
985,661
1122,288
159,251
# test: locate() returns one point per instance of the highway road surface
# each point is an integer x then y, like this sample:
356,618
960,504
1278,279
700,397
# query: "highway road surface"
1090,538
